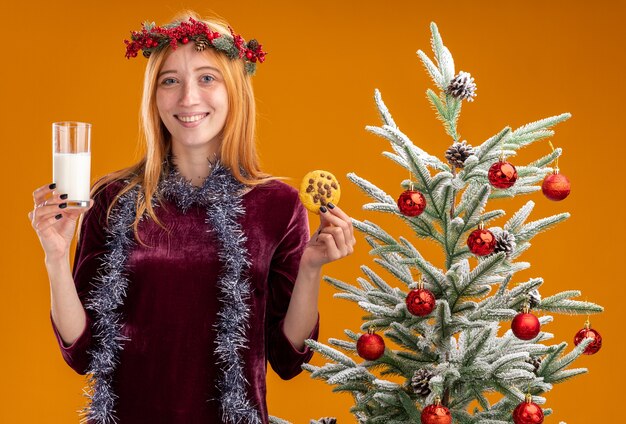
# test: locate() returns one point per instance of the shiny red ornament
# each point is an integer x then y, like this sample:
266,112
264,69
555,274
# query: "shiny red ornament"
589,332
185,40
556,186
411,203
370,346
436,414
481,242
528,412
420,302
525,326
502,174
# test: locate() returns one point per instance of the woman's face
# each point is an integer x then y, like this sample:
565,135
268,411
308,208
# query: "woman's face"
191,97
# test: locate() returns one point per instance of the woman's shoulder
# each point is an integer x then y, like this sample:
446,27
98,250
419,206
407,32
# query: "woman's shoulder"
278,205
276,190
107,187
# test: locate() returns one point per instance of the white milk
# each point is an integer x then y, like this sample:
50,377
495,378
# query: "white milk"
71,173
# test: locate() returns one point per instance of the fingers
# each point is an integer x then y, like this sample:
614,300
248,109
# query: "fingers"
336,233
336,218
54,206
332,251
46,222
335,210
39,195
337,236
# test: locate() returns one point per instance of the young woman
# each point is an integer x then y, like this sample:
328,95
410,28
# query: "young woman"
175,304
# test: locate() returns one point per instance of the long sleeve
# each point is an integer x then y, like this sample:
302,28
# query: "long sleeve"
285,358
87,259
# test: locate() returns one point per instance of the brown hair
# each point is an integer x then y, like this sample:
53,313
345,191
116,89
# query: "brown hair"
237,149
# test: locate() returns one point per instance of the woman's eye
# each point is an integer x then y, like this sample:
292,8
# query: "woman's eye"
207,78
168,81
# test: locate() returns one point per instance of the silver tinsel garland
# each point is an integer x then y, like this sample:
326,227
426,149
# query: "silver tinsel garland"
220,195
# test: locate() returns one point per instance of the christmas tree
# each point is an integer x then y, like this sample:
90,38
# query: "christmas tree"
445,323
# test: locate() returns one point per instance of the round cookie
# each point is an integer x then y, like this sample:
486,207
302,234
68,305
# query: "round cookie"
318,188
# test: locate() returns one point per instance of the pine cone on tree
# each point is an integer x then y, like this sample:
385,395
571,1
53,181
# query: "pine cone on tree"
420,380
535,361
458,153
462,87
201,43
327,420
534,298
505,242
361,417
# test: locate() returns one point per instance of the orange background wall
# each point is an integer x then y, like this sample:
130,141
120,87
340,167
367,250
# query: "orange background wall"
65,61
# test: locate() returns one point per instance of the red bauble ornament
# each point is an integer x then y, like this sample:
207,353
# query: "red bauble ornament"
436,414
528,413
588,332
411,203
525,326
481,242
556,186
370,346
420,302
502,174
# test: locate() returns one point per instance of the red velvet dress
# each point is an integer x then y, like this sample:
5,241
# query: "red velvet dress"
166,372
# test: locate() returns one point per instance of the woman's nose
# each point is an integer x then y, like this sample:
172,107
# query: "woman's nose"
189,95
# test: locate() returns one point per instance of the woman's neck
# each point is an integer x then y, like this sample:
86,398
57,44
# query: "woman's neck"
194,167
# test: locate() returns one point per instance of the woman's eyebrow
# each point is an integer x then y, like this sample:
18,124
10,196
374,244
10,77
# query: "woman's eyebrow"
212,68
166,72
201,68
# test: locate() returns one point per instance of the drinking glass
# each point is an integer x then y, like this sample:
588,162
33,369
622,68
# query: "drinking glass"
71,161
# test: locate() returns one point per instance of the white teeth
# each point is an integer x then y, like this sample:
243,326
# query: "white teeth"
193,118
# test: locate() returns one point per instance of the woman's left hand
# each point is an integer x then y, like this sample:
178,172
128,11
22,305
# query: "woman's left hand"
333,240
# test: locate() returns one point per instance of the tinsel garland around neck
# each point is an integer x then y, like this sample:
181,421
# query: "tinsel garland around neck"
220,195
219,183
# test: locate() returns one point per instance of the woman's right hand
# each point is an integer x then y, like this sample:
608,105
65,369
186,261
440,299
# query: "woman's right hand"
54,223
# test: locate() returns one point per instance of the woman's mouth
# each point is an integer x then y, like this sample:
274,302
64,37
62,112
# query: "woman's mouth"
188,119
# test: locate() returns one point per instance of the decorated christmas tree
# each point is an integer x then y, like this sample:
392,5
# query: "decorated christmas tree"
433,346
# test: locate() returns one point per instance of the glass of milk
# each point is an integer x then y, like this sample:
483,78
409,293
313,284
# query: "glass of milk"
71,161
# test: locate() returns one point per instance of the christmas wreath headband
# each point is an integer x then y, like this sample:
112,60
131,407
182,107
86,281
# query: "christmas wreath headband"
153,37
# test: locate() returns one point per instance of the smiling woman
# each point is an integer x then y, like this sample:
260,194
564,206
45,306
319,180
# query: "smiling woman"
192,100
186,282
